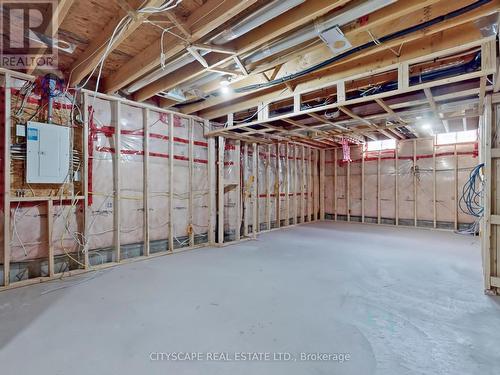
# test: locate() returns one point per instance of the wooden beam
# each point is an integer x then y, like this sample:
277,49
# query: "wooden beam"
371,125
117,177
240,65
415,44
145,179
213,48
90,58
390,111
382,21
171,149
435,109
320,118
59,15
272,29
6,178
180,25
482,93
203,20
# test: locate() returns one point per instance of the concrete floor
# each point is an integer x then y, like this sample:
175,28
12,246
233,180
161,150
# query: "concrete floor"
399,301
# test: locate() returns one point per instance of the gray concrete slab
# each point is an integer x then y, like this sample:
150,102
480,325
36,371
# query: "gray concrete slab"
399,301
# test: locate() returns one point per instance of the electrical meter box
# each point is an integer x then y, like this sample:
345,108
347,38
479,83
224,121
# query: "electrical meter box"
48,153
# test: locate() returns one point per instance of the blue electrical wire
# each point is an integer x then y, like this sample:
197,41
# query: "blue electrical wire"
472,193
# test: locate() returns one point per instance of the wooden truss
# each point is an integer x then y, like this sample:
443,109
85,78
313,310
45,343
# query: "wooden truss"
264,128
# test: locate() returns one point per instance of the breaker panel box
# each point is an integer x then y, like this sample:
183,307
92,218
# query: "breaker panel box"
48,153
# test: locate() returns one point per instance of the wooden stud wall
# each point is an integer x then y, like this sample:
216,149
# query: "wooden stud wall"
490,224
412,155
50,201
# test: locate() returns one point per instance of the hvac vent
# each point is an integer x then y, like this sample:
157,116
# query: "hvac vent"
335,40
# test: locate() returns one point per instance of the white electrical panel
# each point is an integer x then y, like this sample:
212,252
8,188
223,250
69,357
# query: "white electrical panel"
48,153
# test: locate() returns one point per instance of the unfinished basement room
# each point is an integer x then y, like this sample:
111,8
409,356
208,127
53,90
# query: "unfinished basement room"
251,187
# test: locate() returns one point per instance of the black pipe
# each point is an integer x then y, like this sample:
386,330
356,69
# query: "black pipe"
383,39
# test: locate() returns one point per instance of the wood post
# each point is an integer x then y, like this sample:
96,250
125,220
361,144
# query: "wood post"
302,187
276,187
335,184
455,178
237,172
396,163
348,193
379,206
295,186
434,190
50,227
220,191
268,187
145,177
486,230
86,167
255,193
415,182
322,184
362,184
246,189
212,208
287,185
117,180
190,181
171,183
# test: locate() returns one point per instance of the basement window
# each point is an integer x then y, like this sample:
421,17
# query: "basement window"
452,138
387,144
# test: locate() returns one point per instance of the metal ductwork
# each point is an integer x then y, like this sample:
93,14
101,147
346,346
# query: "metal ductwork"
342,17
261,16
303,35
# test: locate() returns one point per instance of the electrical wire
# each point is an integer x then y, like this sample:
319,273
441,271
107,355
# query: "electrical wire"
472,193
367,45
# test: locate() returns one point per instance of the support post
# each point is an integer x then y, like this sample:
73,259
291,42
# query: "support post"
145,177
117,181
322,184
190,181
255,194
302,187
237,171
50,226
246,189
86,167
277,194
396,163
220,192
295,186
6,190
268,187
287,185
310,188
211,184
171,157
348,188
379,206
362,184
488,199
455,177
434,190
335,184
415,215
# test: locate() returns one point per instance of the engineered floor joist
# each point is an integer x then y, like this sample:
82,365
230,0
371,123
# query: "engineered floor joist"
398,300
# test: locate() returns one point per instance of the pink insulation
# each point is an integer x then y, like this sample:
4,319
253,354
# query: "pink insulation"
380,170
